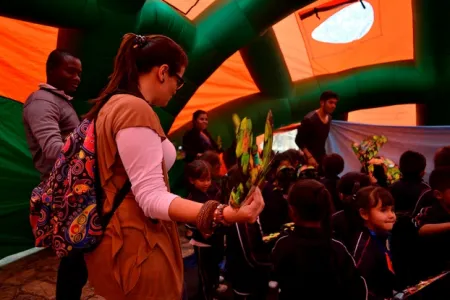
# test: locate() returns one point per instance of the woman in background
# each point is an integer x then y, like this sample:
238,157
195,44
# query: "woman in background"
198,140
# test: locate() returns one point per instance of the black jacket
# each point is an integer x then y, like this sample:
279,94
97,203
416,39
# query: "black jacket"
193,143
308,264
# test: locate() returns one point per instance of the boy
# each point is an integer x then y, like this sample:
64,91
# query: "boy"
433,223
411,186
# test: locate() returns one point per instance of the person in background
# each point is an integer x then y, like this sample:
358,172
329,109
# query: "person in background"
332,166
308,263
427,198
411,186
314,129
433,223
49,117
198,139
442,157
208,249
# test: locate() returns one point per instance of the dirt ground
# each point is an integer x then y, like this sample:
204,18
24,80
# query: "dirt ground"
34,277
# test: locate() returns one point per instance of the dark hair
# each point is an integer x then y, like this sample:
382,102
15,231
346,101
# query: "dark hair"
197,114
211,157
333,165
412,164
294,157
351,182
369,197
440,179
442,157
138,55
56,58
311,201
198,169
328,95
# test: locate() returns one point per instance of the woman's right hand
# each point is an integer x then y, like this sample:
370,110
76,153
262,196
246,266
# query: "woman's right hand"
248,212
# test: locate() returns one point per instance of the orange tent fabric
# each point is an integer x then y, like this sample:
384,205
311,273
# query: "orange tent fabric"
26,46
394,28
230,81
23,53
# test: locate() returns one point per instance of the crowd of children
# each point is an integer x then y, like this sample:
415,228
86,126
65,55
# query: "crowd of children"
350,237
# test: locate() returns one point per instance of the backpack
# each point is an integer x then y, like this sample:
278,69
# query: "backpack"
65,209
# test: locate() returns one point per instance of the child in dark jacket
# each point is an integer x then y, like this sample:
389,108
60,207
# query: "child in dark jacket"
371,248
347,222
208,249
308,263
333,165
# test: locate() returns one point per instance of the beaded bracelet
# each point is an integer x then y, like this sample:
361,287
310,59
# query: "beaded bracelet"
218,218
205,217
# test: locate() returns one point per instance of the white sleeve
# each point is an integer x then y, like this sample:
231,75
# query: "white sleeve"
141,152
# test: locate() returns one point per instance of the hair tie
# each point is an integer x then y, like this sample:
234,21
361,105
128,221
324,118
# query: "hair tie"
356,187
139,41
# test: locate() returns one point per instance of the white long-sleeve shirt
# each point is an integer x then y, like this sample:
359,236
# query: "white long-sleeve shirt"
141,152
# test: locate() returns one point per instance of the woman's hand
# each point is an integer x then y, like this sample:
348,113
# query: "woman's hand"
248,212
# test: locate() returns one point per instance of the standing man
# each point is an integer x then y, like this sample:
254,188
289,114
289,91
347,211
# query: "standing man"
314,129
49,117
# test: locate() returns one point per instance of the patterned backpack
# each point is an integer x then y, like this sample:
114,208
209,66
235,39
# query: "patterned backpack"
63,209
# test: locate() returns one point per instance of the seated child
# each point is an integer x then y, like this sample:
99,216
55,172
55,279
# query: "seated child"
276,213
434,225
308,263
371,248
213,159
208,249
441,159
411,186
332,166
347,222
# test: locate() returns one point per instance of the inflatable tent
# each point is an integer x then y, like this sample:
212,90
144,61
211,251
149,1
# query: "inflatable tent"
245,56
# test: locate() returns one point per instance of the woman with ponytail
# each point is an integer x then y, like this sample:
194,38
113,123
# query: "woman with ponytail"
139,256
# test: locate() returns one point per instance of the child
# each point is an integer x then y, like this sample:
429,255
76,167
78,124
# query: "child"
347,222
411,186
308,264
276,213
371,248
434,224
213,159
208,249
332,166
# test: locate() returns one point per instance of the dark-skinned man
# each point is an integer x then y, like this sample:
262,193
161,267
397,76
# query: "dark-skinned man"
49,117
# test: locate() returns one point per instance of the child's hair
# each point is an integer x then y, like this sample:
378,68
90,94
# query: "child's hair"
440,179
379,173
370,196
311,202
294,157
198,170
412,164
211,157
332,165
351,183
442,157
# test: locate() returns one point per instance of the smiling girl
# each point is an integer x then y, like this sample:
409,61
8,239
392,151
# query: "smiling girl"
371,245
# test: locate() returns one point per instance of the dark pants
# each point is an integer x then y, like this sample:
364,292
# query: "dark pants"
208,259
72,276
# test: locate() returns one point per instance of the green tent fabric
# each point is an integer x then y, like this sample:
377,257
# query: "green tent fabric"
17,179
